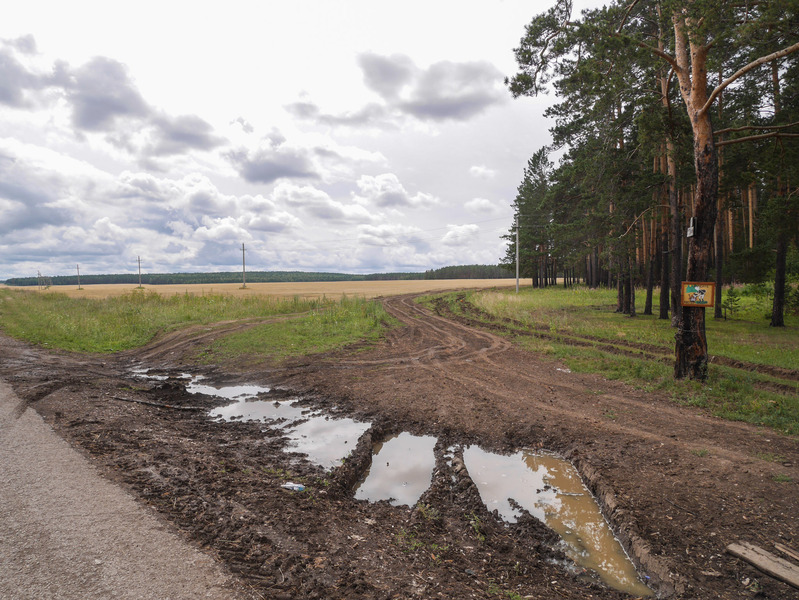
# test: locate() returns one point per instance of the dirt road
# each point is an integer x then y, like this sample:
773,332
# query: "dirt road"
676,485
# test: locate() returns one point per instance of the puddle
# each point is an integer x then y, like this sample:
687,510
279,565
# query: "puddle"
326,441
402,466
144,373
401,470
551,490
231,392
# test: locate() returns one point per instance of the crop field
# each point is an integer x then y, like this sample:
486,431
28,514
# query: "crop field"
326,289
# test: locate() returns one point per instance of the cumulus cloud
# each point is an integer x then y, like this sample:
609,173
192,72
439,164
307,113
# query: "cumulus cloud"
101,97
320,205
175,135
482,172
371,114
245,125
386,191
387,75
456,91
481,205
102,92
39,187
444,91
394,236
460,235
17,79
273,160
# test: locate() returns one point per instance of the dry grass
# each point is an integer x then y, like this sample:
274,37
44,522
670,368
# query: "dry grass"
327,289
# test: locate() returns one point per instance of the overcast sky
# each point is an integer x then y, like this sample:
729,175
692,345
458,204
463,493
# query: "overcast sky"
349,136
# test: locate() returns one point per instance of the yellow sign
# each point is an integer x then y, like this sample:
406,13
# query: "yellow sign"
698,293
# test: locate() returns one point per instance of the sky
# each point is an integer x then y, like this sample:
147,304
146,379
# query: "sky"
350,136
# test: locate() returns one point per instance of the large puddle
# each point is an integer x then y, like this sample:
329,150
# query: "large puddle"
401,470
547,487
325,440
550,489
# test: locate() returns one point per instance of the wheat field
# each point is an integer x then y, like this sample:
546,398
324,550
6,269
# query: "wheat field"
317,289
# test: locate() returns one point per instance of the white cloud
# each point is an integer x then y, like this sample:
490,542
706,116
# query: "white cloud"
481,205
386,191
460,235
482,172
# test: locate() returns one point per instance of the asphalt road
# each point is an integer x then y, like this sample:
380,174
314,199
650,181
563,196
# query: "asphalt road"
67,533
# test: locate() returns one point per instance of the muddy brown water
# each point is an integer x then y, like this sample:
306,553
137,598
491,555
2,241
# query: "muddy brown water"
544,485
550,489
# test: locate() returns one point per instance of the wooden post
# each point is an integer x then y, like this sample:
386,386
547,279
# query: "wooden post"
243,268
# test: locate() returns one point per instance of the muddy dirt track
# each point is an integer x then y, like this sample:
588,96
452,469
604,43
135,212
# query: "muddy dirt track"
676,485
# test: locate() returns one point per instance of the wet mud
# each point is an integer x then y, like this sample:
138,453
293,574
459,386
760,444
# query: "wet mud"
674,485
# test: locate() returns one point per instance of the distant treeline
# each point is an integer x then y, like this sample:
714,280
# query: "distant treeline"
460,272
469,272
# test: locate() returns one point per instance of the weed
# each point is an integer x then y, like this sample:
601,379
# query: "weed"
782,478
610,414
429,513
702,452
474,521
770,457
408,540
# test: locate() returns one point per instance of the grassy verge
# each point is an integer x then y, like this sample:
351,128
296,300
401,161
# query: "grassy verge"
117,323
340,323
588,315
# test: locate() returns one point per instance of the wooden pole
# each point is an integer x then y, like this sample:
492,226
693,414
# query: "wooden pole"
517,253
243,268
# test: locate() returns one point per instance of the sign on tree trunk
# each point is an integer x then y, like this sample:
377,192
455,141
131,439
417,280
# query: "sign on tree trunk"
696,293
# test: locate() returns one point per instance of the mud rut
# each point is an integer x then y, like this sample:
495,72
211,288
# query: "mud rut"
677,486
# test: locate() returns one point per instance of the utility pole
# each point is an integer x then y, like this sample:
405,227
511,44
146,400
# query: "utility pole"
243,268
78,266
139,259
517,253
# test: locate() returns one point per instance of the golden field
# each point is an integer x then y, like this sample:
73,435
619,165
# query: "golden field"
317,289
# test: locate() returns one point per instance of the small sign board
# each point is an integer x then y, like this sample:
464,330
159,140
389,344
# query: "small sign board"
698,293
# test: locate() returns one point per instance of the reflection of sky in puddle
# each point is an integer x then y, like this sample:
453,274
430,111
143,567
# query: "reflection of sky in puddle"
258,410
326,441
231,391
402,469
551,490
144,373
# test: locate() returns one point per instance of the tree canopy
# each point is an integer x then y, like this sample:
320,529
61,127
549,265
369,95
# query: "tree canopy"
675,118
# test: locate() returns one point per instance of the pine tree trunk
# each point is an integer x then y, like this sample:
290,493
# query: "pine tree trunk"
719,252
676,256
691,356
778,306
664,271
650,284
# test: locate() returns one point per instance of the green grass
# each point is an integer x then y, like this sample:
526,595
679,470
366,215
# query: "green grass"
585,313
118,323
338,324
